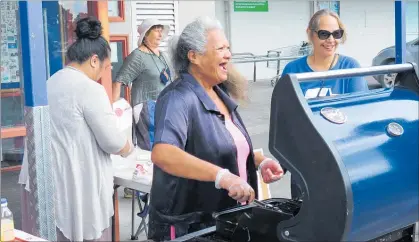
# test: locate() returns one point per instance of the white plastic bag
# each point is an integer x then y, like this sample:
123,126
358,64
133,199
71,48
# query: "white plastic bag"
123,111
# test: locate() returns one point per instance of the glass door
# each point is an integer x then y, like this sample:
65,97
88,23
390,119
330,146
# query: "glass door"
11,91
60,19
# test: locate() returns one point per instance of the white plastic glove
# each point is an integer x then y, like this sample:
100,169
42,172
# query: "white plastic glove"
237,188
271,170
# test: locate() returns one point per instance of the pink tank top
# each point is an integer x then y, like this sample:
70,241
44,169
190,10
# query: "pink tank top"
241,145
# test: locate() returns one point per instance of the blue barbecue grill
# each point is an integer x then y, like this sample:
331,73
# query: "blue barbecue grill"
354,158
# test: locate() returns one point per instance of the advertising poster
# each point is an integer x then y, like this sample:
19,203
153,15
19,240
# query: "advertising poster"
9,51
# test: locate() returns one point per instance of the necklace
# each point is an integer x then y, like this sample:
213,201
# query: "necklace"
322,83
162,60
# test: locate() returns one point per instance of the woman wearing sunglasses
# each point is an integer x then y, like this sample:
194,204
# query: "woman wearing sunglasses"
326,32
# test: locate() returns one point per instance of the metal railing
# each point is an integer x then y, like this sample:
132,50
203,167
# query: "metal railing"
264,58
275,58
242,55
302,49
240,58
275,53
245,55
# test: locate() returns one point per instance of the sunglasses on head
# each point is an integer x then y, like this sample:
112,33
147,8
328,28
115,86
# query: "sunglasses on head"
324,34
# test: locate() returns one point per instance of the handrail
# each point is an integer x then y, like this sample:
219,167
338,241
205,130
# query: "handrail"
260,58
278,63
291,46
243,56
248,57
355,72
267,59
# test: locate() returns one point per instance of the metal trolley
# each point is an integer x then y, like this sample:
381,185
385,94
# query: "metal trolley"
300,50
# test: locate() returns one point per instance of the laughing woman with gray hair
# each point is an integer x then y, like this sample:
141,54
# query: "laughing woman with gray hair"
202,154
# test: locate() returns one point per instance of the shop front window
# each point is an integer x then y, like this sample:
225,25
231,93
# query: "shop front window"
60,23
11,92
11,88
331,5
12,152
412,16
119,51
60,19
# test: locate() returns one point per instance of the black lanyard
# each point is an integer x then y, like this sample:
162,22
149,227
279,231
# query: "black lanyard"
330,68
152,57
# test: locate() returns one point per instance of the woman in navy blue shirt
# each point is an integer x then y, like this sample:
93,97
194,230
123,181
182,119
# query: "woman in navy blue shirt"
326,32
203,156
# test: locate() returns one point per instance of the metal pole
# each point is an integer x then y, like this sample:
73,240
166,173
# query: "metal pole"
228,17
263,59
254,71
400,14
242,55
37,120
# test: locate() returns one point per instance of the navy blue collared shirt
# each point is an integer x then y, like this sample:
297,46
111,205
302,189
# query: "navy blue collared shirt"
187,118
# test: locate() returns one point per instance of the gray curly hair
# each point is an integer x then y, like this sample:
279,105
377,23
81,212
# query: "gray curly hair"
192,38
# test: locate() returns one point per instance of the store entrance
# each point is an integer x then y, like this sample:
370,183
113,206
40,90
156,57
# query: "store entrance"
60,18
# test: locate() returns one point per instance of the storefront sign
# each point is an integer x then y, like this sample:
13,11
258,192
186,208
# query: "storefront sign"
251,6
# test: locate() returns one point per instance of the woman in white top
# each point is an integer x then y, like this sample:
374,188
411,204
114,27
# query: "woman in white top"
83,135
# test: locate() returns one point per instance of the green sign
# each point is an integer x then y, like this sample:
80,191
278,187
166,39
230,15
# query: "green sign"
251,6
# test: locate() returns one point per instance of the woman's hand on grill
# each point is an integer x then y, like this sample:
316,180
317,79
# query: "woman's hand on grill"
237,188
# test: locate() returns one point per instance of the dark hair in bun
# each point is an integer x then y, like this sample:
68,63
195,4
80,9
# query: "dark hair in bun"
88,28
89,41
